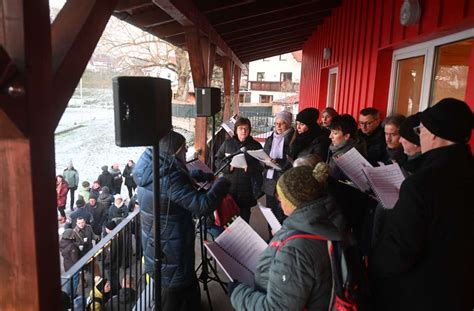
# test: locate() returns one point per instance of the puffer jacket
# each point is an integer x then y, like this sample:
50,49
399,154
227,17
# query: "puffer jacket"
179,201
269,184
314,141
244,184
298,276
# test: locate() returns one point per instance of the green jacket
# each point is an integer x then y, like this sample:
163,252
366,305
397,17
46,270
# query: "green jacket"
299,275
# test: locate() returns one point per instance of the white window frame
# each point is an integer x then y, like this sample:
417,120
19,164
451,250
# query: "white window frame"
333,70
426,49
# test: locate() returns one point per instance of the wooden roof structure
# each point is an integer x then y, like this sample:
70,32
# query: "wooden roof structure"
251,29
41,64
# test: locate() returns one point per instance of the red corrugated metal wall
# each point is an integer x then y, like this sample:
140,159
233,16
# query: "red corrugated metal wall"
362,35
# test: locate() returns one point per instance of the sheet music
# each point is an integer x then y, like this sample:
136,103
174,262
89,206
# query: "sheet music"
263,157
199,165
270,217
352,164
240,248
386,182
238,161
228,126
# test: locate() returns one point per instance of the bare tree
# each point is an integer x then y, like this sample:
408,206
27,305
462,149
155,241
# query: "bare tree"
139,53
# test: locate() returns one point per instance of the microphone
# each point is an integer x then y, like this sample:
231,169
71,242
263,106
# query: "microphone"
241,150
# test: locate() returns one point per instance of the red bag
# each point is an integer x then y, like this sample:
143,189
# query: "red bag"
226,211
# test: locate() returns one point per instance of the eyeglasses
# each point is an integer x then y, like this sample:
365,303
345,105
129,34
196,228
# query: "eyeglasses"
367,123
417,129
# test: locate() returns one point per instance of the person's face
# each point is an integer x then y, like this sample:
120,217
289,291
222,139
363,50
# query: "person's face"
409,148
130,163
243,131
301,127
338,137
95,186
107,287
81,223
281,126
92,201
326,119
118,202
392,136
107,230
368,124
58,179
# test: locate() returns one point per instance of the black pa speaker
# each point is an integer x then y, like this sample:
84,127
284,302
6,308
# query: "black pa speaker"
208,101
142,110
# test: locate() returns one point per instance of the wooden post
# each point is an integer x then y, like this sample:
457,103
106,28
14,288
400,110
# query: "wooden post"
29,111
200,76
227,71
237,72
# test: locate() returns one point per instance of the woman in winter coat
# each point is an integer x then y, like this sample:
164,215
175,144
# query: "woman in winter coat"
61,196
245,183
128,175
343,137
309,138
180,200
277,146
295,273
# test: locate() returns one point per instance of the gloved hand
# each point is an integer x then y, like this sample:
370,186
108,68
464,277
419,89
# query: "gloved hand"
231,286
221,186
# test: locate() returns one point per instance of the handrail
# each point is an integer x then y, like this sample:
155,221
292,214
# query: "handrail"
97,249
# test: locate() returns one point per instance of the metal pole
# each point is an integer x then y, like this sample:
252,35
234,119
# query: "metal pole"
156,213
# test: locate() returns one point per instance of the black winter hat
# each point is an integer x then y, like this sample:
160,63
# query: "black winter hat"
406,129
308,116
450,119
80,203
171,142
111,225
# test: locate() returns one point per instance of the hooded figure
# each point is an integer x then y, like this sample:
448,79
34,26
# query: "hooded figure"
298,276
105,179
180,200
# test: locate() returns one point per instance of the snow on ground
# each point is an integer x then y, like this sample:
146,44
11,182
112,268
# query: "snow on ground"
86,136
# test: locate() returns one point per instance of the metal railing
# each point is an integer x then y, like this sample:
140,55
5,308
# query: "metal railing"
117,259
262,122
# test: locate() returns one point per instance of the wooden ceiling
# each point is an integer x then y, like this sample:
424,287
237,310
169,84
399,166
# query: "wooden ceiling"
244,30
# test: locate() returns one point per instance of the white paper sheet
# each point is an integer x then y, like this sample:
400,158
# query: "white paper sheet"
238,250
264,157
239,161
386,182
270,217
352,163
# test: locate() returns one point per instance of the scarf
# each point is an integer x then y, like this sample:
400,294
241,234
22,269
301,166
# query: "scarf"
276,151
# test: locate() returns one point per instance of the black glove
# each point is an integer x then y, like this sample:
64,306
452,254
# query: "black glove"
231,287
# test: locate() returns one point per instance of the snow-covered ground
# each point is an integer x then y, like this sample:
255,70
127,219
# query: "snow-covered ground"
86,136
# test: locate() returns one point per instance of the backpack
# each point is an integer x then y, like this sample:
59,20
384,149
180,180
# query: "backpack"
350,286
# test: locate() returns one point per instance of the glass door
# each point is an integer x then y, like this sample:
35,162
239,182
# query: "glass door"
408,85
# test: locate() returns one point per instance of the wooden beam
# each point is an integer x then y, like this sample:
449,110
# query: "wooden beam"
214,9
268,43
187,14
269,53
86,20
149,18
227,73
237,72
125,5
29,274
166,30
263,49
198,72
269,36
261,32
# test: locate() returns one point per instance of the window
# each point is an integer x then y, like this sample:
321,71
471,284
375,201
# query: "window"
266,99
285,76
260,76
332,87
244,97
283,57
425,73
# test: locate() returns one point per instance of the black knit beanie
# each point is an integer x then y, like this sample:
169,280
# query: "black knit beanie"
171,142
308,116
450,119
406,129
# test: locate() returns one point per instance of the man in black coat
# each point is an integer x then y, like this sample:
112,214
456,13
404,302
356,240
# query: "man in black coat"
424,258
373,134
105,179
